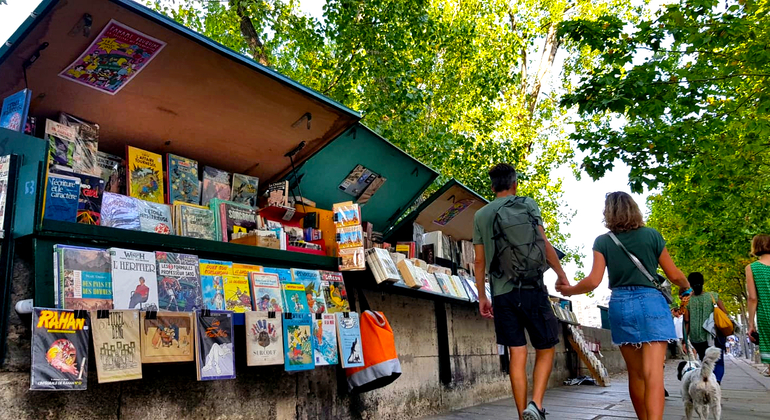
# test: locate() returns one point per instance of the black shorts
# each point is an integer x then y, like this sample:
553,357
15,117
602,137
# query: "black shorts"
525,309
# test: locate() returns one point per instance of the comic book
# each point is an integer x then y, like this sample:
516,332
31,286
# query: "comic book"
266,292
311,281
170,337
216,184
245,269
236,218
82,278
278,194
294,298
179,286
61,144
443,287
154,217
213,282
284,274
349,340
460,286
335,295
120,211
325,337
13,114
244,190
90,199
144,175
134,279
61,198
264,339
112,170
59,350
195,221
298,342
237,295
214,346
182,181
86,144
116,345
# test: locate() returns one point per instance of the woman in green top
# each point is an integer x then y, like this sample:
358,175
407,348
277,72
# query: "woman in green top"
758,288
699,309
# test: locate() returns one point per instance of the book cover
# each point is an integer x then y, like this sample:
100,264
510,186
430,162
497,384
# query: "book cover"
311,280
144,172
335,294
154,217
244,190
112,170
237,295
264,339
61,198
59,350
298,342
214,345
13,114
179,287
386,263
213,282
245,269
216,184
90,200
236,218
325,336
170,337
116,346
284,274
357,181
294,298
120,211
196,222
409,273
5,168
278,194
134,279
266,292
61,144
86,144
349,340
460,286
83,278
182,180
441,284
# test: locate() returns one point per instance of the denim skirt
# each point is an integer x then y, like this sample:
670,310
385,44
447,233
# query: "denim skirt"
640,315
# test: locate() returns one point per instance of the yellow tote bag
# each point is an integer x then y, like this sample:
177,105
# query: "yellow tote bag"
721,321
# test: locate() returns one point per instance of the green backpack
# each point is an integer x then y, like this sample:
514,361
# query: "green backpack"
519,246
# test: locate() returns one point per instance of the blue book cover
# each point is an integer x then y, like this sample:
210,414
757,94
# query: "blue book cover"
284,274
120,211
311,280
91,191
61,198
13,115
214,345
182,180
294,298
213,275
298,342
349,339
325,339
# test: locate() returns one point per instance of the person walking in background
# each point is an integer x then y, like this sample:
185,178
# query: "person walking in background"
758,290
640,320
699,308
511,246
676,346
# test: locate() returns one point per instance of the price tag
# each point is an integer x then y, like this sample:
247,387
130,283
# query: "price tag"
289,214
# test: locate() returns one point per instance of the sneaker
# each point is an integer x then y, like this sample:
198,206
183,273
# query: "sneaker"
533,413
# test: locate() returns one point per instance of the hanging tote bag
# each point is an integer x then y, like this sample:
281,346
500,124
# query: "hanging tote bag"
722,322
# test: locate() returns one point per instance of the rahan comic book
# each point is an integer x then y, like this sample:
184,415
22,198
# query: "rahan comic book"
59,350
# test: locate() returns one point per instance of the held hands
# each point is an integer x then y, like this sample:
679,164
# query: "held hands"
563,286
485,307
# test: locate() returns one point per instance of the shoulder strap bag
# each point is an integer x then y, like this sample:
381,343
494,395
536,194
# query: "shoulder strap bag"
721,321
662,286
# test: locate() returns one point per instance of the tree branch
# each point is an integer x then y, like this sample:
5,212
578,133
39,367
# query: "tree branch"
250,34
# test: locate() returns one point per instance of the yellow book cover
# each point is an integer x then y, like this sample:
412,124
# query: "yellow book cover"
144,171
237,296
116,345
168,338
245,269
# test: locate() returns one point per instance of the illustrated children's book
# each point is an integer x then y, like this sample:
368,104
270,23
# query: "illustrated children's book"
245,269
82,278
214,345
61,144
236,218
144,175
134,279
86,144
244,190
294,298
325,339
61,198
169,337
216,184
298,342
13,114
195,221
213,275
284,274
116,345
90,198
264,338
59,350
120,211
154,217
349,340
266,292
182,180
335,295
237,295
311,280
112,170
179,286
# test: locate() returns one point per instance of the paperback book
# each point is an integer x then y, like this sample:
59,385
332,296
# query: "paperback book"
311,281
169,337
298,342
236,218
13,115
90,198
59,350
214,345
61,198
195,221
61,144
244,190
325,336
349,340
294,298
182,180
266,292
134,279
86,144
245,269
116,345
154,217
335,294
284,274
120,211
144,172
82,278
216,184
278,194
112,170
264,338
179,286
213,275
238,298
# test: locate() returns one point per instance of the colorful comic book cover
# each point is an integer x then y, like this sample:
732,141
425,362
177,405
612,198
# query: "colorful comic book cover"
13,114
349,340
59,350
335,295
237,295
61,198
458,207
116,345
213,275
294,298
86,144
182,180
154,217
264,339
120,211
61,144
284,274
236,218
82,278
170,337
244,190
112,170
325,336
266,292
179,286
245,269
214,345
134,279
216,184
145,175
311,280
298,342
113,59
196,221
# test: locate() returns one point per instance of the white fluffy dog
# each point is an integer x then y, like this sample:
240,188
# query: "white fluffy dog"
700,390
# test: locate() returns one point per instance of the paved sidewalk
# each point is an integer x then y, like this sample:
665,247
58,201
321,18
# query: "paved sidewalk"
745,396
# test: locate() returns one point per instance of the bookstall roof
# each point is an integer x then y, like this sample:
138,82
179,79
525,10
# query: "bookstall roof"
405,177
196,98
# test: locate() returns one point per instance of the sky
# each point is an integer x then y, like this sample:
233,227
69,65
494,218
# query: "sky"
585,196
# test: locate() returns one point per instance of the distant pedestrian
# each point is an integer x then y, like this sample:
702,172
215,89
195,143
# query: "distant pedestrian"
676,346
640,321
758,290
699,309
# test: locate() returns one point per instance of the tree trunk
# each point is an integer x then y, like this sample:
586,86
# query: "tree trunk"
250,34
551,47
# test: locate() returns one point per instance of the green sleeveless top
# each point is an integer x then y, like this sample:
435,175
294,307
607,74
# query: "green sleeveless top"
761,274
700,307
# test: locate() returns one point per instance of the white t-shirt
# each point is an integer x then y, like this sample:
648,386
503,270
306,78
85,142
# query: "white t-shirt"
678,325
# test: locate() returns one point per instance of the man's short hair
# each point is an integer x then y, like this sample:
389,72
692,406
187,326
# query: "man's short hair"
503,177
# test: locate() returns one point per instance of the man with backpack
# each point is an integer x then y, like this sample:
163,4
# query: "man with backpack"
511,247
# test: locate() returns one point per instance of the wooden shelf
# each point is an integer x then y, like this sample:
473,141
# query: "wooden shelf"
365,280
594,374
